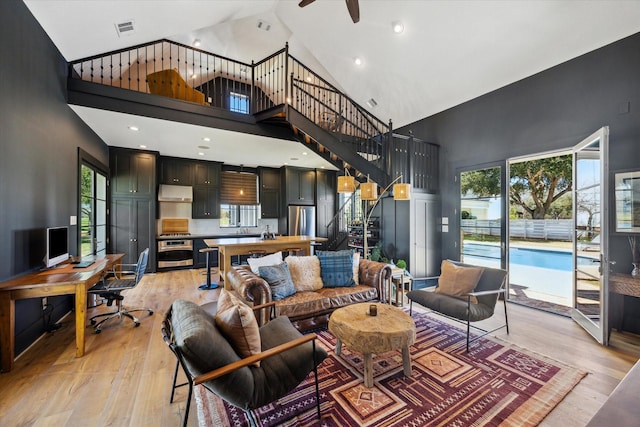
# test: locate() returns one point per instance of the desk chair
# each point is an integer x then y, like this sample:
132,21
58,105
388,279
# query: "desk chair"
111,289
208,284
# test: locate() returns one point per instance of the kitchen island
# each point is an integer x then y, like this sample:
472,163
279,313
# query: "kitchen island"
229,247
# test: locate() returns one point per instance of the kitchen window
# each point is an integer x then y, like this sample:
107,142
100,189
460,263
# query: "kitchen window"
238,216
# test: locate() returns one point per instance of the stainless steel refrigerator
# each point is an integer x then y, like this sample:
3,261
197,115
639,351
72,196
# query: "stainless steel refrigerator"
302,221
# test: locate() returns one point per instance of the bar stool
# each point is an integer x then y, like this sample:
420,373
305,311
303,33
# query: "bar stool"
208,285
293,251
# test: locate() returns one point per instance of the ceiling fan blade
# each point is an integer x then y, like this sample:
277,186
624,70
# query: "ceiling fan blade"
354,10
304,3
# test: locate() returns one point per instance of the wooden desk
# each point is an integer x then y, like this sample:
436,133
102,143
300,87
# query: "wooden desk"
229,247
64,280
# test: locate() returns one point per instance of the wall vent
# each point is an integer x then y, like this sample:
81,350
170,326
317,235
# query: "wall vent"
263,25
125,28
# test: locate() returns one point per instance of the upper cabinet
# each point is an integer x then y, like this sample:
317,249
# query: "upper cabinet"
206,173
133,173
176,171
300,186
270,193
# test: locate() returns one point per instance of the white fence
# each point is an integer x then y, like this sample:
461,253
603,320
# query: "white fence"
544,229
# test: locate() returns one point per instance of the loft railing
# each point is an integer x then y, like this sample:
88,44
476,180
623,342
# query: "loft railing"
221,82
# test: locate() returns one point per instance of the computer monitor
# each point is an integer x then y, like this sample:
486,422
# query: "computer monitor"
57,246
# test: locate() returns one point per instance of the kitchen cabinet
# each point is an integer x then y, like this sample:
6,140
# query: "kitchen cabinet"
133,228
325,200
132,173
206,173
206,202
300,186
176,171
270,193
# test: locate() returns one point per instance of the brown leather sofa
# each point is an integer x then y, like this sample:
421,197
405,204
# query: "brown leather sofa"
311,309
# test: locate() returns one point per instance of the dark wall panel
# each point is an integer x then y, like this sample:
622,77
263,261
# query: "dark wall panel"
549,111
39,136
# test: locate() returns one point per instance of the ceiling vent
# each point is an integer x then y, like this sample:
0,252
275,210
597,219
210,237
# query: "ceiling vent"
263,25
125,28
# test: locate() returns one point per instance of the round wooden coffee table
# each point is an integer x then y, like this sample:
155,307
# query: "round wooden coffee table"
391,329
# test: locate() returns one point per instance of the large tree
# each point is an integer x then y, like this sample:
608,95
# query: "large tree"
534,184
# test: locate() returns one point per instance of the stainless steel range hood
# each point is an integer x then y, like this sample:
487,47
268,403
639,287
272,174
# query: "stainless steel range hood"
175,193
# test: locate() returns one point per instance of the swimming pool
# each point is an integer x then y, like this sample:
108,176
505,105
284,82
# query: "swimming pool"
555,260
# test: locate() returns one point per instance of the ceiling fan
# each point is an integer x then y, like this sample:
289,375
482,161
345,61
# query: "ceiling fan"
352,6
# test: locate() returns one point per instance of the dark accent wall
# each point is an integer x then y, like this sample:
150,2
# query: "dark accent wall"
39,140
552,110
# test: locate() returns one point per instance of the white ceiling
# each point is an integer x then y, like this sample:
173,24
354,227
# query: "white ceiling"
449,53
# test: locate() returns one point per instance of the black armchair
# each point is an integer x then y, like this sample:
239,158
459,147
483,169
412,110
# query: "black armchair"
490,286
207,357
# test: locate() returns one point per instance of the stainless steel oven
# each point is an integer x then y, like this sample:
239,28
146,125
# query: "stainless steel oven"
175,252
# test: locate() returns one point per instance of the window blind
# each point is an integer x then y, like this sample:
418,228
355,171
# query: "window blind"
239,188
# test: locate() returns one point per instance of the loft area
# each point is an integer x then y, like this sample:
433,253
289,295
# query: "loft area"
277,91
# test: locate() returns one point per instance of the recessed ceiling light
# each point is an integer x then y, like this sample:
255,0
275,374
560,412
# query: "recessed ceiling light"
321,167
134,128
309,78
200,153
398,27
285,163
358,61
304,153
196,43
142,146
194,75
206,138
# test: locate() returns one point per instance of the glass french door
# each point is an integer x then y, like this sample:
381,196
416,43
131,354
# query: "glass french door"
482,226
590,201
93,211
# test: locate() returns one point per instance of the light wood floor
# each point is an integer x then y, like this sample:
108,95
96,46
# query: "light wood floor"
124,378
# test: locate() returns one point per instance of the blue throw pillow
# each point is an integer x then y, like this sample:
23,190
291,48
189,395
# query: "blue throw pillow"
279,279
336,268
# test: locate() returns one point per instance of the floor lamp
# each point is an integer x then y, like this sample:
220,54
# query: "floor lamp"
369,192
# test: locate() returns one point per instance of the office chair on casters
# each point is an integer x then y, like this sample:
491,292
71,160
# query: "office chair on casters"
111,290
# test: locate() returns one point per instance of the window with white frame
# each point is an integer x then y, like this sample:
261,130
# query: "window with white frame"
239,103
238,215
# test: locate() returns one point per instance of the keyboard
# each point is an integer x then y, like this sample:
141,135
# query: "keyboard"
83,264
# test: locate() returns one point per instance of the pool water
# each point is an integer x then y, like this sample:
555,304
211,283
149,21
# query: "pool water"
555,260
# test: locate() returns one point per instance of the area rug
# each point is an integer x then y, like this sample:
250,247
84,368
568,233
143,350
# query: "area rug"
496,383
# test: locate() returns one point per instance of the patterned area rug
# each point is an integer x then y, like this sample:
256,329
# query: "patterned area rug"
494,384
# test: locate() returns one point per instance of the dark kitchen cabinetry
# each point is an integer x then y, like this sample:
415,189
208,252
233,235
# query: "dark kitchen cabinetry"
325,200
132,173
133,228
206,173
132,216
300,186
270,193
206,202
176,171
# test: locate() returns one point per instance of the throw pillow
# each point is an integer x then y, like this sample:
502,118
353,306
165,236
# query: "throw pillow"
238,324
305,272
336,268
356,267
456,280
279,280
272,259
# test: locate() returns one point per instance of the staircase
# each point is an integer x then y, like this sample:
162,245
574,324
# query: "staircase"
280,90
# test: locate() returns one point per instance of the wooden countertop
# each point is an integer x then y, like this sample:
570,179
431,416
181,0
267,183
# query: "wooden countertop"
234,241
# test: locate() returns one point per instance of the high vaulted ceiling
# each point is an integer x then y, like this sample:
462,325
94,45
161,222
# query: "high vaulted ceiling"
450,51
